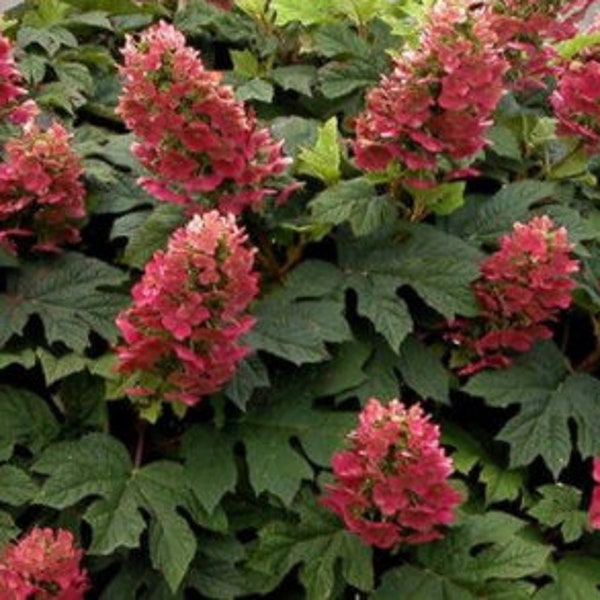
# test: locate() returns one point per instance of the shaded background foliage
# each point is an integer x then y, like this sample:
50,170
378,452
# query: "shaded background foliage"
354,300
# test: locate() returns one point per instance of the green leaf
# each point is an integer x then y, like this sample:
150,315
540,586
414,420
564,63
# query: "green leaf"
152,235
378,302
255,89
323,160
501,484
356,201
560,505
295,132
59,367
422,371
411,583
484,547
340,79
299,78
504,142
568,49
274,465
16,486
65,293
250,374
307,13
339,40
74,75
22,356
442,199
209,465
319,544
438,266
295,321
550,400
245,63
576,577
497,215
98,465
25,420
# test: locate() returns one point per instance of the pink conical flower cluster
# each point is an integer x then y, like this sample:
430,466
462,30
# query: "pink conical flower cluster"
576,99
41,191
12,104
527,31
43,565
431,114
392,484
202,147
522,287
190,309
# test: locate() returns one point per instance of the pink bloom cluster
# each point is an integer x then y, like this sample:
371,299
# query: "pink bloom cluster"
41,192
11,92
43,565
594,509
576,99
526,31
392,484
189,311
522,287
432,112
202,147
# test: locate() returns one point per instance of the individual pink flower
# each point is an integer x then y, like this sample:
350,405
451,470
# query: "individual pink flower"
594,509
43,565
522,288
430,115
201,146
189,310
392,483
41,190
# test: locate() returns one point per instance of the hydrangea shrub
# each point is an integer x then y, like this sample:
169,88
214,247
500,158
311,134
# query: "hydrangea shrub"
234,234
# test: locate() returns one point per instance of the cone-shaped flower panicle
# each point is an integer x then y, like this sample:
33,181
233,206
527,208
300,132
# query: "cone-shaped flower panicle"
189,310
527,31
43,565
429,116
41,190
522,288
392,482
12,103
203,149
576,99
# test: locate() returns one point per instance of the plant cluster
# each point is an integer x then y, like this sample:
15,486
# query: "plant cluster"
233,234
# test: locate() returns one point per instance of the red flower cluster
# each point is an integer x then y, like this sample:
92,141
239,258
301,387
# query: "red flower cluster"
432,112
203,148
522,287
526,31
392,484
11,92
43,565
576,99
189,311
41,193
594,509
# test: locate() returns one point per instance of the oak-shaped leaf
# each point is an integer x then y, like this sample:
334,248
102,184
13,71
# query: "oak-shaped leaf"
551,399
318,542
69,294
98,466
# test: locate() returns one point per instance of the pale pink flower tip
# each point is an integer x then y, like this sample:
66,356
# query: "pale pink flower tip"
201,146
43,565
392,483
189,310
